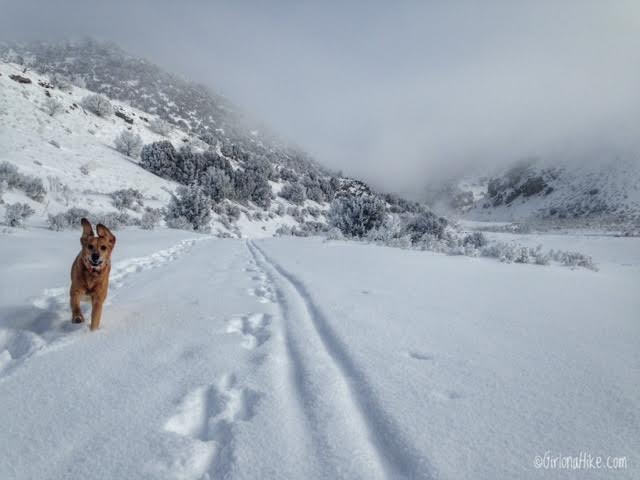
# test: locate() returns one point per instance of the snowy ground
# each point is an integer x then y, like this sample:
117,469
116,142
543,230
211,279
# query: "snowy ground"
294,358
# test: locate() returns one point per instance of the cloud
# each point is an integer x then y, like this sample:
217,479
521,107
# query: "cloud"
393,92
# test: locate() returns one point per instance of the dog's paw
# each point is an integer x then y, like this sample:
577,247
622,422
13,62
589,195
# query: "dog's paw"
77,320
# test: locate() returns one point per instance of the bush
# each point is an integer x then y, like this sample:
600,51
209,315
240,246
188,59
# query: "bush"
294,192
98,105
52,106
476,240
16,213
159,126
128,143
159,158
189,205
115,220
30,185
151,218
60,82
425,223
356,216
69,219
217,184
251,184
127,198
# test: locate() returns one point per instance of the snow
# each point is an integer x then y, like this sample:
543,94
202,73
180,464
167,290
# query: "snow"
299,358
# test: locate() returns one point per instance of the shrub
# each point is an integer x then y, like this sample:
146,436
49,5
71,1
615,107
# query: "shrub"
160,126
251,184
128,143
475,239
60,82
16,213
151,218
30,185
233,212
423,223
294,192
115,220
98,105
52,106
127,198
356,216
69,219
189,204
159,158
217,184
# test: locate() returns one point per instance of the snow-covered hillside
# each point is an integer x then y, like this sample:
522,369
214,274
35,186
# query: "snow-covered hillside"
296,358
591,193
73,153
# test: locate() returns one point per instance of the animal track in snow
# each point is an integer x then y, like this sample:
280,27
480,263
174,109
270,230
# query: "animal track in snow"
46,321
253,329
206,417
262,293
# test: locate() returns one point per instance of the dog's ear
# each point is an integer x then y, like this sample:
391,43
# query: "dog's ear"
87,229
106,233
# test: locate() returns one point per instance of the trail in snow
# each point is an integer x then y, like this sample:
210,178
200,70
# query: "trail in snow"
45,325
348,425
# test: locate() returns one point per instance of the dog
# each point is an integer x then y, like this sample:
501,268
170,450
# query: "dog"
90,272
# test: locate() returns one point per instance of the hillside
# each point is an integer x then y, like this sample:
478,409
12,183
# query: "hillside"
605,193
72,149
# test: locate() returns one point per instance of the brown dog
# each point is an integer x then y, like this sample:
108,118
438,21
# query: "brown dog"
90,272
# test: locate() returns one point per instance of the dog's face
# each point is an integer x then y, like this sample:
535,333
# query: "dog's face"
96,250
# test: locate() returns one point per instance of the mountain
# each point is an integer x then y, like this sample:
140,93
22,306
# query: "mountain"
603,193
256,183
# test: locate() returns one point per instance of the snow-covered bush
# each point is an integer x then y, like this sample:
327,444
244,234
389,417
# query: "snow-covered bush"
60,191
66,220
334,233
294,192
127,198
573,259
151,218
30,185
233,212
60,82
189,204
159,126
217,184
252,184
71,219
16,213
4,186
159,158
475,239
115,220
98,105
128,143
425,223
52,106
355,216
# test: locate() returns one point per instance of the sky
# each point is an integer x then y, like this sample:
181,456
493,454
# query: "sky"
392,92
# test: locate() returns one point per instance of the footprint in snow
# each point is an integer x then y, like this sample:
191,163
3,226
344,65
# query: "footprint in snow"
253,329
205,418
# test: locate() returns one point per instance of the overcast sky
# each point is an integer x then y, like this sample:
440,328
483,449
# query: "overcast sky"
391,91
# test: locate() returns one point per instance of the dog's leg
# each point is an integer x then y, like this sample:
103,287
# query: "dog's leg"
76,313
96,311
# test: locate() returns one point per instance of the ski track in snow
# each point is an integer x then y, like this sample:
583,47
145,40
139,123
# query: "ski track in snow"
47,324
345,417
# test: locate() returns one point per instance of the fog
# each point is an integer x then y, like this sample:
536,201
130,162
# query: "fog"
392,92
